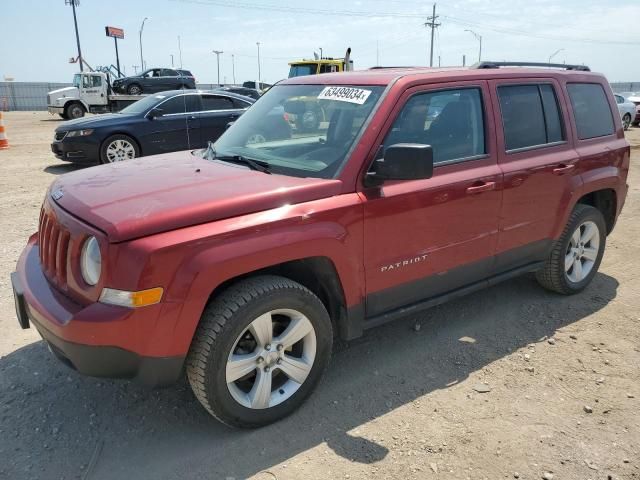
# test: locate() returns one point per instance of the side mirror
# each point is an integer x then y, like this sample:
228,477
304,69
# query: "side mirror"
402,161
154,113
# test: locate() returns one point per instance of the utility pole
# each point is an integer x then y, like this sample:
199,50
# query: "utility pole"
431,23
464,60
73,4
180,50
320,52
218,53
141,59
171,54
377,53
233,67
438,61
259,77
135,69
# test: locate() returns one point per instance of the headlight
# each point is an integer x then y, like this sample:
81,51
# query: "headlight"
80,133
91,261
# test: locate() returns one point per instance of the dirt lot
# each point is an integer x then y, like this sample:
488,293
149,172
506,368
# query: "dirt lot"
399,403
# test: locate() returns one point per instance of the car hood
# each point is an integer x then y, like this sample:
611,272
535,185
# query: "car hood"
160,193
124,79
64,92
92,122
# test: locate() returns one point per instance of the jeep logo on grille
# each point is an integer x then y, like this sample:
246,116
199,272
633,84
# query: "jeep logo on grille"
57,194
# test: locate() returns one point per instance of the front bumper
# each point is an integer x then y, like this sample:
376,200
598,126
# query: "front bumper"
76,150
90,339
54,110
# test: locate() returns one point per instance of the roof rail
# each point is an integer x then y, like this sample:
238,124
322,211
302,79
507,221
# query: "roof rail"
581,68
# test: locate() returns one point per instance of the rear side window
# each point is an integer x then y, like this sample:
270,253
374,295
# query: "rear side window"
215,102
185,73
591,110
451,121
530,116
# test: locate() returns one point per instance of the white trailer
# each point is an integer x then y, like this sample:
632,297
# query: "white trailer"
91,92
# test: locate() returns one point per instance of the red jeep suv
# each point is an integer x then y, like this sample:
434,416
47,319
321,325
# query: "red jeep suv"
241,262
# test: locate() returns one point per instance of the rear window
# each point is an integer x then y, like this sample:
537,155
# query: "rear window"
591,110
530,116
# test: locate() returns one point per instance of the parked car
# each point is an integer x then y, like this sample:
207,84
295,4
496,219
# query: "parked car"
247,92
627,110
635,99
239,262
154,80
160,123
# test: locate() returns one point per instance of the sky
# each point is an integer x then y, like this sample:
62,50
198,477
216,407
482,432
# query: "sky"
38,38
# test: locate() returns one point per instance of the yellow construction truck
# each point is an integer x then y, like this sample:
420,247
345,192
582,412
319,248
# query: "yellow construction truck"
320,64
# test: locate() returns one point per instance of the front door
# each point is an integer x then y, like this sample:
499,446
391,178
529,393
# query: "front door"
178,128
539,165
425,238
92,89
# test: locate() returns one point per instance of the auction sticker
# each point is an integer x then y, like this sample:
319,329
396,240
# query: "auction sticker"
345,94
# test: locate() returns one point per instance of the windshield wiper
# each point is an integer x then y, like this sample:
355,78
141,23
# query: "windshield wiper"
210,154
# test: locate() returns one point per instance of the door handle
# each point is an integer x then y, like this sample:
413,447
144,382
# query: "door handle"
562,169
482,187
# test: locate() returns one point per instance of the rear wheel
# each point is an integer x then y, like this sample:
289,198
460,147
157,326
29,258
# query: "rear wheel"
577,254
259,351
626,121
74,110
134,89
118,148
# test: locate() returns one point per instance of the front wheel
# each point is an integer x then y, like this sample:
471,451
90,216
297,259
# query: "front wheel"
577,254
259,351
626,121
74,110
118,148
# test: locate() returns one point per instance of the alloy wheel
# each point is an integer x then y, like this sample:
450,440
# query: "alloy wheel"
582,252
271,359
120,150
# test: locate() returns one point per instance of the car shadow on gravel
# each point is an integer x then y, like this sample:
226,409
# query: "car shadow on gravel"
62,168
57,423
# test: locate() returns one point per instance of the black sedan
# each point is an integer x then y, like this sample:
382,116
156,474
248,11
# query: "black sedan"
165,122
154,80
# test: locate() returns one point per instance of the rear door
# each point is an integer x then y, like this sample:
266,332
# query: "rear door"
177,129
536,155
217,111
170,80
424,238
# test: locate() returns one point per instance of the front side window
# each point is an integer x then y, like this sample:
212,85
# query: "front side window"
619,99
590,110
530,116
451,121
180,104
304,130
91,81
301,70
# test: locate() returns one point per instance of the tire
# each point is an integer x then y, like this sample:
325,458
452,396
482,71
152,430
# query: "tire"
63,116
117,148
227,326
134,89
626,121
555,275
74,110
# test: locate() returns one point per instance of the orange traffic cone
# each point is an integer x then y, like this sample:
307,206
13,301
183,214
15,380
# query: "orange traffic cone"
4,143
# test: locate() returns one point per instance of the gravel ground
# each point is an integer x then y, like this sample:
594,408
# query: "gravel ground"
510,382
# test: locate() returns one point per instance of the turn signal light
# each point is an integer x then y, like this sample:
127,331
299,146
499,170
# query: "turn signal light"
123,298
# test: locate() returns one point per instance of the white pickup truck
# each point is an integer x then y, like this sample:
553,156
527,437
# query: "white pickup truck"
90,92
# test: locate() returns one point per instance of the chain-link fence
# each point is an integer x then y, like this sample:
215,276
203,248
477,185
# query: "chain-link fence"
625,86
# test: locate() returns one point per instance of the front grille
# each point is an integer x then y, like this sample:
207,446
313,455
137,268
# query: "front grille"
60,135
53,240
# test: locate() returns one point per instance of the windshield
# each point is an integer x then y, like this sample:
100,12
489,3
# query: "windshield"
301,130
144,105
302,70
76,80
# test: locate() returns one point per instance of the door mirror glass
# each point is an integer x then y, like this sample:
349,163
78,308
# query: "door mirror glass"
402,161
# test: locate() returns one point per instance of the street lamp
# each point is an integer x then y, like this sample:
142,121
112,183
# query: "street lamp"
555,53
142,28
218,53
233,67
259,78
479,38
